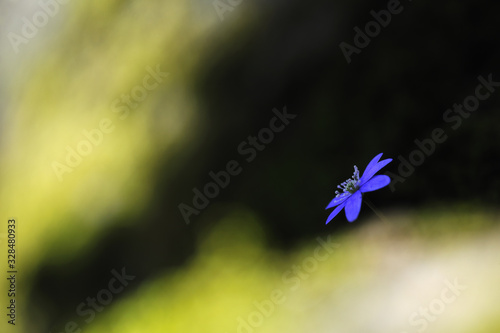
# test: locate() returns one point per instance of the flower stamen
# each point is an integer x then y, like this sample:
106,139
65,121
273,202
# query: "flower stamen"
351,185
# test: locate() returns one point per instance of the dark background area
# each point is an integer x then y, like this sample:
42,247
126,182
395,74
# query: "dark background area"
395,91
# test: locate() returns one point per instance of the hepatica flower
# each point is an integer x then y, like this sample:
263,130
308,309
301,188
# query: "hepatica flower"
354,187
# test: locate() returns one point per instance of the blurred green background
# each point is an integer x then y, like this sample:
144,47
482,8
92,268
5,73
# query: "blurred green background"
117,207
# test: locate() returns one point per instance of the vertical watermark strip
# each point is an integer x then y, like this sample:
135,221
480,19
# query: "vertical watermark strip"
11,270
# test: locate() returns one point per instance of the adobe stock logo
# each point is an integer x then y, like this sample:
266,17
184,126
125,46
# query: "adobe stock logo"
221,179
428,314
454,116
222,6
291,279
372,29
103,298
48,9
95,136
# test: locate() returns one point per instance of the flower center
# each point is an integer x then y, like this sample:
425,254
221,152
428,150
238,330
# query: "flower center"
350,185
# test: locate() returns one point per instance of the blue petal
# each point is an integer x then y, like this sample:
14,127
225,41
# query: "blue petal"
373,168
338,200
375,183
335,212
353,206
370,165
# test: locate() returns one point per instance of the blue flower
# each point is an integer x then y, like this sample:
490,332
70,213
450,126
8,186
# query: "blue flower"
354,188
